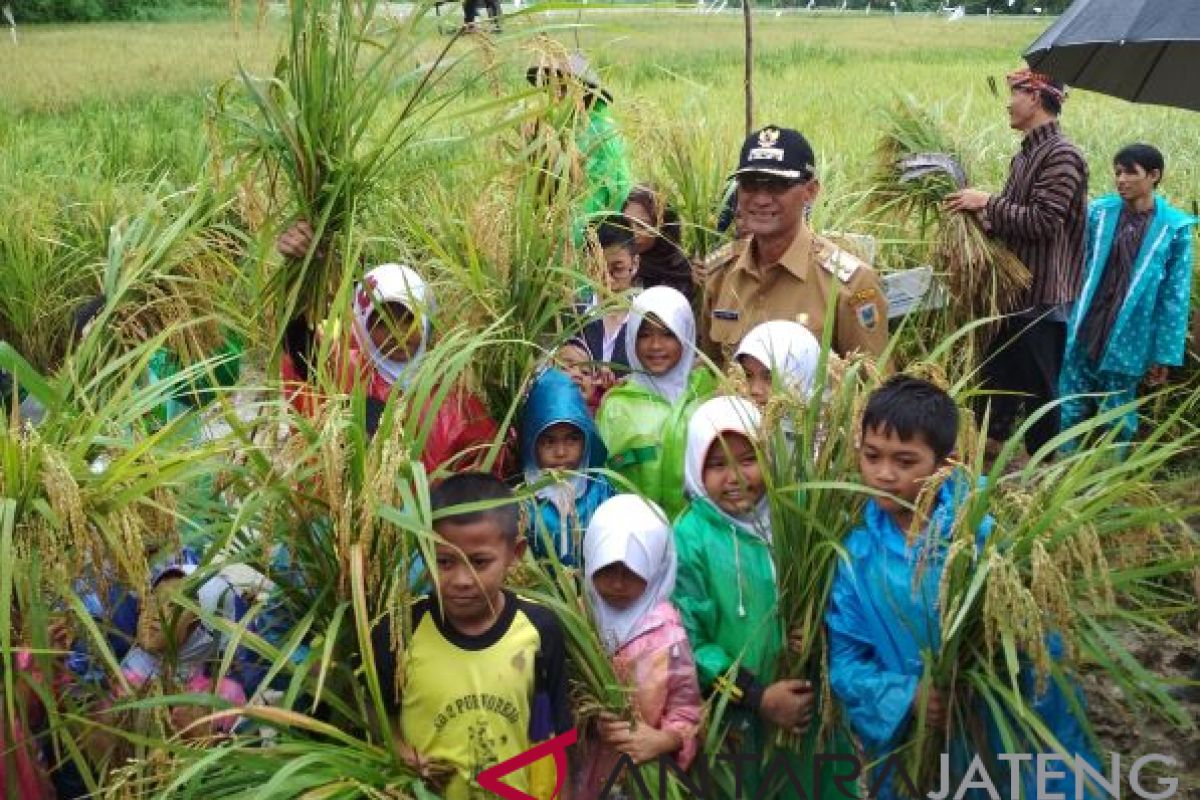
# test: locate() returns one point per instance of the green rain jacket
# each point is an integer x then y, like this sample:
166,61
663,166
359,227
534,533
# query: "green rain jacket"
727,595
646,437
606,165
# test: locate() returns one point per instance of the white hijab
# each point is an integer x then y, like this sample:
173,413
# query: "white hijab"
392,283
674,311
713,418
788,349
634,531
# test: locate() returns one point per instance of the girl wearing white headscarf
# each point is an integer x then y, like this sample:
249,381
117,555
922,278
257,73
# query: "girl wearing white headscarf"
384,286
726,589
384,354
629,558
787,355
643,420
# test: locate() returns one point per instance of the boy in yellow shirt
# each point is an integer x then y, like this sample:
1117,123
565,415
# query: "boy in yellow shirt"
485,671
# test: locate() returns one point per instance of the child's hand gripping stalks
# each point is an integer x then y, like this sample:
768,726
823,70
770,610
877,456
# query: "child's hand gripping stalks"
789,705
642,743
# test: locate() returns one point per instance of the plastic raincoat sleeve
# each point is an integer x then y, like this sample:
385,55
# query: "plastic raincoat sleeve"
1171,312
684,709
876,701
609,178
699,611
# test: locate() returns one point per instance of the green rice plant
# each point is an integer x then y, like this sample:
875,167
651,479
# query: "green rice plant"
1081,549
173,267
323,127
90,495
695,167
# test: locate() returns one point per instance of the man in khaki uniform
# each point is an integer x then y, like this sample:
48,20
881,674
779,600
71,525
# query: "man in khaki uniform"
783,270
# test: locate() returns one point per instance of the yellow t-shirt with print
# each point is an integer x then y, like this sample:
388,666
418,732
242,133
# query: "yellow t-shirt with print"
475,701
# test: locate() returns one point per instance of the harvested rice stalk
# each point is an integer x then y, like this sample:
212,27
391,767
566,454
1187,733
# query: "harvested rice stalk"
917,167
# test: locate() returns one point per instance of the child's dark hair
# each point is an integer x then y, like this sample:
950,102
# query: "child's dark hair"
1146,156
615,230
478,487
914,407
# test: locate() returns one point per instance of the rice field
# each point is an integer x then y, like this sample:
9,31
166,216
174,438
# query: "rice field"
131,162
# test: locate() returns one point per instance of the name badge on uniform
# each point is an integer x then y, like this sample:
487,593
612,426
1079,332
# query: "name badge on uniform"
727,314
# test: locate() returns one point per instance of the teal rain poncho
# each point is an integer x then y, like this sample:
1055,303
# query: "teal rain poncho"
562,509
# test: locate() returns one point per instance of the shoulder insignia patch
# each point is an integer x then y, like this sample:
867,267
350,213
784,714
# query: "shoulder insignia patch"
839,262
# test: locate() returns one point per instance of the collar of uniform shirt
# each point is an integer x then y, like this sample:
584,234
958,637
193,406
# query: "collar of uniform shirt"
795,259
1040,134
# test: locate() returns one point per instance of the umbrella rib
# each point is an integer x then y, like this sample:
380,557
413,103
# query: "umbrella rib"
1162,51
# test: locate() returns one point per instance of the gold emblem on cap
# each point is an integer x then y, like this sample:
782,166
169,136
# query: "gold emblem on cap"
767,137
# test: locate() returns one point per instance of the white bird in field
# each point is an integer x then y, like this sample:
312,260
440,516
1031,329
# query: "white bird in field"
12,22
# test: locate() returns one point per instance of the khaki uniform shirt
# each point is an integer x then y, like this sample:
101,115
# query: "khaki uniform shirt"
740,295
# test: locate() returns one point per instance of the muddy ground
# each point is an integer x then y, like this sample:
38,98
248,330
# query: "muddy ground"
1135,734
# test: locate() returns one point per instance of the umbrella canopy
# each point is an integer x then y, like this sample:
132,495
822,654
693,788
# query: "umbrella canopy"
1147,51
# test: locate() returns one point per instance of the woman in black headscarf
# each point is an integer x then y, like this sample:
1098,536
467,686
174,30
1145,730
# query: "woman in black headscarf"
657,242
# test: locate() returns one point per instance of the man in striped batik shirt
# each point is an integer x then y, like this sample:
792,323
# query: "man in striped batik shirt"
1041,216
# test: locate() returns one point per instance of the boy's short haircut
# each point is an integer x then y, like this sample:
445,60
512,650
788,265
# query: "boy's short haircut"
615,230
1146,156
478,487
914,407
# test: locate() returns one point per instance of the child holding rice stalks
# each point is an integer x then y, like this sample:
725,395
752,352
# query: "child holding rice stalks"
391,333
728,596
453,710
630,561
885,615
560,449
642,420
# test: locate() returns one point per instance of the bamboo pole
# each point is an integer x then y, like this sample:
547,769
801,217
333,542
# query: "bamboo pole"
748,24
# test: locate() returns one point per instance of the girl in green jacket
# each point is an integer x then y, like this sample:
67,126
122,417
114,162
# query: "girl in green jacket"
727,595
643,421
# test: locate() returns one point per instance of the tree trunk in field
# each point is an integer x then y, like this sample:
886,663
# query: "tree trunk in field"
748,22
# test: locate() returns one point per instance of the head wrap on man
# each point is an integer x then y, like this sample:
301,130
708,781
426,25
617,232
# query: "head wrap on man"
1031,81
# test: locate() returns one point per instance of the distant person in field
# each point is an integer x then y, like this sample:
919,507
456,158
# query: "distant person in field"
1040,215
1130,322
658,242
783,270
471,14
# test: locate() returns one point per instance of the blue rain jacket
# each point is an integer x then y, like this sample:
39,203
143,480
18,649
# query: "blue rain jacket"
1151,327
554,399
880,624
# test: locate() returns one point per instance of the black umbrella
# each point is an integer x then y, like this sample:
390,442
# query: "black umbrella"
1147,51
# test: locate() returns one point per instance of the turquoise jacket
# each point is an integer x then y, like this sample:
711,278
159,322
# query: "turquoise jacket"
554,399
880,626
1151,327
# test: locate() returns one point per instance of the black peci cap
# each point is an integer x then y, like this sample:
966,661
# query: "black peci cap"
781,152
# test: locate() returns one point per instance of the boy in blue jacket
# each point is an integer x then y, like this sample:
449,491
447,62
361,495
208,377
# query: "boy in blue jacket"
559,448
881,622
1130,322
